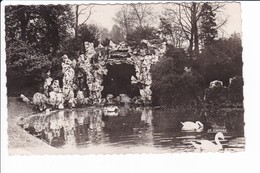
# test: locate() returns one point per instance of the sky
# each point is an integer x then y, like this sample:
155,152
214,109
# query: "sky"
103,16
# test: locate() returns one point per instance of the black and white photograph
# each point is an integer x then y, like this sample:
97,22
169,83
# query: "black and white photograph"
127,78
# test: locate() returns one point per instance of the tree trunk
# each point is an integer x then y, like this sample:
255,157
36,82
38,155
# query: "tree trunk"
194,31
196,41
24,19
77,21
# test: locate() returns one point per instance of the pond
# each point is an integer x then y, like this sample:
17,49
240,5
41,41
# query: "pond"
135,129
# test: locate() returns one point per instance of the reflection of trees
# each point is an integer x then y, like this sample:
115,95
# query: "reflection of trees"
232,120
143,126
235,121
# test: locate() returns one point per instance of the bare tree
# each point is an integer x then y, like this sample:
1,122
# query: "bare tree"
86,10
124,19
171,33
187,16
142,14
131,16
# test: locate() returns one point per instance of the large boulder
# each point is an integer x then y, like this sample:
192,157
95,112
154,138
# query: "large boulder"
216,94
40,101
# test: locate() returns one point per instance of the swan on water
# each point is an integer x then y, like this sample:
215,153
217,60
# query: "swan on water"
206,145
191,126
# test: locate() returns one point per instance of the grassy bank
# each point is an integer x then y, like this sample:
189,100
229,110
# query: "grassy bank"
19,141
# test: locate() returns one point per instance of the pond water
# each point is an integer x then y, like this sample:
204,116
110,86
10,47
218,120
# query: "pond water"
143,128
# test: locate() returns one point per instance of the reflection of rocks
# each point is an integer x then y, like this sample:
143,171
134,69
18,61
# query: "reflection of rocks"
66,128
147,116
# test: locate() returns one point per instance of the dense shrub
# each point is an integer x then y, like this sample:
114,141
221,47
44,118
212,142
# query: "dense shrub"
172,85
222,60
216,96
141,33
235,90
25,67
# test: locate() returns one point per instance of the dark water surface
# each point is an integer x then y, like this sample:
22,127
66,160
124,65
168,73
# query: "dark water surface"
156,129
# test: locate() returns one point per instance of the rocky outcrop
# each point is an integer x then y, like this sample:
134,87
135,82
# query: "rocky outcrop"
216,94
221,96
91,67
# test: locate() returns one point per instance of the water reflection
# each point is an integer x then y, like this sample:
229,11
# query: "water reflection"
145,127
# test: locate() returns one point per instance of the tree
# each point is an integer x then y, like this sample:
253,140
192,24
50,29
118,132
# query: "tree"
34,35
43,26
187,16
124,19
142,14
25,67
222,60
208,25
171,34
116,34
132,16
82,10
73,46
90,33
172,84
142,33
104,34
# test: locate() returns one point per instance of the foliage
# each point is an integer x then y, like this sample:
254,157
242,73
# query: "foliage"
172,34
116,34
235,90
172,85
22,60
192,20
105,42
141,33
90,33
222,60
42,26
208,24
25,67
74,46
132,16
38,35
216,96
34,35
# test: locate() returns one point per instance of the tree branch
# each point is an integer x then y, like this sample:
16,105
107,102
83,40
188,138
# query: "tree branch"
89,14
87,6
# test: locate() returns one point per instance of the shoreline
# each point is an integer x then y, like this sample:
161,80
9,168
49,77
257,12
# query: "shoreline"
22,143
19,141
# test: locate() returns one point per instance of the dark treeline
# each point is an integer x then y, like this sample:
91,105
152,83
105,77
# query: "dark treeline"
37,37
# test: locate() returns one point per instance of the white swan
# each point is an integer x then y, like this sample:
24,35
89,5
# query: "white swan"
206,145
191,126
111,111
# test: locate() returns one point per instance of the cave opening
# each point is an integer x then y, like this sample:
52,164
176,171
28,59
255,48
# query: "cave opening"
118,80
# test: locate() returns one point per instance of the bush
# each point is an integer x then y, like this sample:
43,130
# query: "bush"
25,67
216,96
222,60
172,85
235,90
141,33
